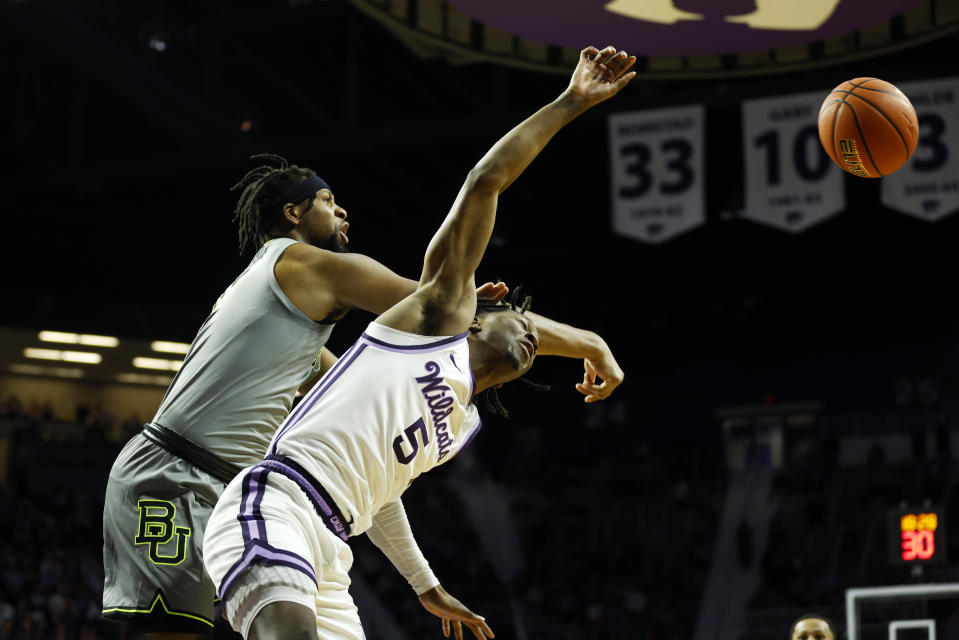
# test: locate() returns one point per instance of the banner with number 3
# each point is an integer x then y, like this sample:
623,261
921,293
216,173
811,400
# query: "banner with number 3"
928,186
791,183
656,161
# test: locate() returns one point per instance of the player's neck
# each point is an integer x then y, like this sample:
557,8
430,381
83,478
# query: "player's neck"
483,371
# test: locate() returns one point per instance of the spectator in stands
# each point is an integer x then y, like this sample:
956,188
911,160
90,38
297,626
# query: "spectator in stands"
812,626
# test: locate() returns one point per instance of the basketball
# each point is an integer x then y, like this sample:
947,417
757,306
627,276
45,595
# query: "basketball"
868,127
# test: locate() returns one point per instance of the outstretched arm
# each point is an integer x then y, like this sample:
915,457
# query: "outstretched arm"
458,246
391,533
558,339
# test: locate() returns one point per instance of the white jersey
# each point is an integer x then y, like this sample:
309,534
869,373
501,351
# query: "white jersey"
394,406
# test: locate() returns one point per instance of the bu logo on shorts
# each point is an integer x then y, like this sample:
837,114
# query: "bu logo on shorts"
156,528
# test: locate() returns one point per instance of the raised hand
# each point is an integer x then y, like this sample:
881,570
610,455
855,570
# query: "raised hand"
599,75
454,614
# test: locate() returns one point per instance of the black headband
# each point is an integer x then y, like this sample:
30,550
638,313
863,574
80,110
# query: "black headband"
302,190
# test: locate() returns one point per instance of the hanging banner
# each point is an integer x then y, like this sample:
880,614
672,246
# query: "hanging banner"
928,185
790,182
656,163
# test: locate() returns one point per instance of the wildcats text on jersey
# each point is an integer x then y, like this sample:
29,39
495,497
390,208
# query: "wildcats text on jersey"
441,405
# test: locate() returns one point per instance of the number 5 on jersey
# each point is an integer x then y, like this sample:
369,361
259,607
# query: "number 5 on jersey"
408,441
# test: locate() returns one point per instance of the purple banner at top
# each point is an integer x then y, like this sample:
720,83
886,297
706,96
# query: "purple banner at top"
680,27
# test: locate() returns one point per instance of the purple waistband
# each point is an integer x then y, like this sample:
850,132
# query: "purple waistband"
324,505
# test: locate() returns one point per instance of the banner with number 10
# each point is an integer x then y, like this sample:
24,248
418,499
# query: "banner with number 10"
790,182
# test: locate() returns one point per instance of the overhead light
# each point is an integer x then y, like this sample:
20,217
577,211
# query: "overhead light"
59,336
86,339
37,370
98,341
86,357
42,354
157,363
169,347
142,378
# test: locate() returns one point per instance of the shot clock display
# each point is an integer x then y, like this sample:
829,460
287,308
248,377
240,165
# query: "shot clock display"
917,536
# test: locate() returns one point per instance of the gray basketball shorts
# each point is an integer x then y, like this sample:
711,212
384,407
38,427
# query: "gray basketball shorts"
154,514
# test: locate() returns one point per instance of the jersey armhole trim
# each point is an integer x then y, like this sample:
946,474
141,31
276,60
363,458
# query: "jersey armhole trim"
280,248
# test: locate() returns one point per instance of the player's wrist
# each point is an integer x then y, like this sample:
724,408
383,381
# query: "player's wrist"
424,582
591,345
573,102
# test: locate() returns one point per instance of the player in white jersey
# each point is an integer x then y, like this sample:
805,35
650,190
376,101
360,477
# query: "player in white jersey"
395,405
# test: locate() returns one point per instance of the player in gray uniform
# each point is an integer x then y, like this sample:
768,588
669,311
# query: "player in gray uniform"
263,340
244,366
397,404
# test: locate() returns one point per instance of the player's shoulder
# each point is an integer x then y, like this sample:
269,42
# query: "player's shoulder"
302,254
314,266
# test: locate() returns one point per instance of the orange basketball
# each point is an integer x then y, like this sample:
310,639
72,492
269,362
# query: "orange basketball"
868,127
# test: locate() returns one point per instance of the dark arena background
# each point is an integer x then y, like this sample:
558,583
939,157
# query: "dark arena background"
787,434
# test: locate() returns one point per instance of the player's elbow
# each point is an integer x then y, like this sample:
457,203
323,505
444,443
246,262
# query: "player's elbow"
486,179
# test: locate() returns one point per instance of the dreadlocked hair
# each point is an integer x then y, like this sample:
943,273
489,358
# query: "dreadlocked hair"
520,304
260,190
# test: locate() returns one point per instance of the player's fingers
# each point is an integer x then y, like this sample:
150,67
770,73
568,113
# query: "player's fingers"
458,629
606,54
589,52
600,55
615,61
600,391
622,64
480,630
623,81
486,629
589,375
590,394
446,627
585,388
495,290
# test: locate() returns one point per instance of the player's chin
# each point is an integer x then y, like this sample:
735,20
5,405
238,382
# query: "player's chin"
519,363
336,244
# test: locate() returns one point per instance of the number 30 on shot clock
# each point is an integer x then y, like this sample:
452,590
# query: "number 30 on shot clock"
917,536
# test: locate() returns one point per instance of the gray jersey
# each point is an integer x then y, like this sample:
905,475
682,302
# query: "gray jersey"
242,371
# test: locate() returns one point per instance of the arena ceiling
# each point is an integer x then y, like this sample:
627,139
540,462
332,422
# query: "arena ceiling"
128,122
678,39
